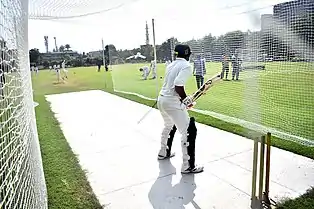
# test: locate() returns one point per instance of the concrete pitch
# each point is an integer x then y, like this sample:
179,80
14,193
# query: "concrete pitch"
120,158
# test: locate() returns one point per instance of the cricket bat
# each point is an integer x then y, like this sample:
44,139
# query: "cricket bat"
208,84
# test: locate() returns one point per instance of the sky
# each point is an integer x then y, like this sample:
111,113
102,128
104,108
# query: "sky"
125,27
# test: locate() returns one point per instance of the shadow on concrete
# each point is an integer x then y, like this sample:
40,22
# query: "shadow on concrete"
164,195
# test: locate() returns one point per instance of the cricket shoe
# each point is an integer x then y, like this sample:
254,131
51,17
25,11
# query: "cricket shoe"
164,153
196,169
164,157
160,157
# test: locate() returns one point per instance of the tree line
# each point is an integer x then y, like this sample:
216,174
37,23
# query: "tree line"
293,43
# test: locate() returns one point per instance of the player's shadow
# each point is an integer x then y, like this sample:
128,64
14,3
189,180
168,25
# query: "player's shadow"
163,195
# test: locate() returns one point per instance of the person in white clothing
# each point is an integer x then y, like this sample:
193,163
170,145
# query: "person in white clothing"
32,69
55,67
65,71
173,104
36,69
145,70
153,69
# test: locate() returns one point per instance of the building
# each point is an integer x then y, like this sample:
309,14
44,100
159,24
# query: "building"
294,29
267,27
286,12
57,57
95,54
266,22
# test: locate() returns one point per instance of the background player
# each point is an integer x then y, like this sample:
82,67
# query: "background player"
145,70
225,67
235,61
153,69
32,69
36,69
199,71
64,70
172,104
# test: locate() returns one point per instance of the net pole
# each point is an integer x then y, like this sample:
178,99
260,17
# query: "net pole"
155,57
172,48
103,52
22,182
103,59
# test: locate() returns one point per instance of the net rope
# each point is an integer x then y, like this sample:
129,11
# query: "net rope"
22,183
67,9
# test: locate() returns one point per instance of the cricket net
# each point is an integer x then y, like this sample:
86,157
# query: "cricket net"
275,64
22,183
264,53
263,49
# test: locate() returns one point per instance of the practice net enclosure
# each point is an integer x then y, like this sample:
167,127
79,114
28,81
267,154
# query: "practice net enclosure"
22,183
263,52
267,70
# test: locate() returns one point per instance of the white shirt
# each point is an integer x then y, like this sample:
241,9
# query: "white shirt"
177,73
63,64
145,71
152,64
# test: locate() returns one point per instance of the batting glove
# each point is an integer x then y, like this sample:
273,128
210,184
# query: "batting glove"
188,102
191,106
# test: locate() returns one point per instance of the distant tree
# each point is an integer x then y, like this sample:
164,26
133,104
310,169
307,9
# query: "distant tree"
61,48
78,62
46,64
34,55
163,51
111,52
208,42
219,48
234,40
67,46
123,54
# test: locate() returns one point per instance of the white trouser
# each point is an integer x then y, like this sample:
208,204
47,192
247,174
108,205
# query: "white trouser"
154,73
145,74
175,113
58,74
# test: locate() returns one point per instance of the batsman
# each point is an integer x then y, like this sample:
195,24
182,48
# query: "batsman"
173,104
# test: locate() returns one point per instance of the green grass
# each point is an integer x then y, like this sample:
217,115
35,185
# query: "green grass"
305,201
67,184
280,97
76,192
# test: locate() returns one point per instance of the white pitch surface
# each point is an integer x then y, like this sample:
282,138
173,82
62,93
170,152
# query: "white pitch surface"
120,158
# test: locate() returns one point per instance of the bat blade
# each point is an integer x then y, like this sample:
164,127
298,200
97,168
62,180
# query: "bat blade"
208,84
